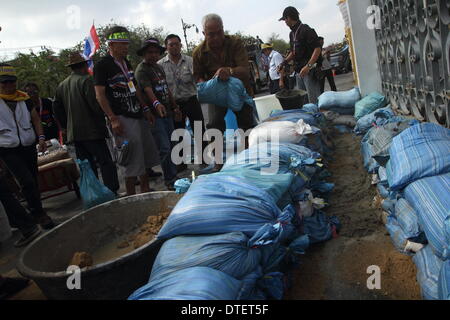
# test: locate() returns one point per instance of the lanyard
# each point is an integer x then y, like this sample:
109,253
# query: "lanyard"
124,69
295,36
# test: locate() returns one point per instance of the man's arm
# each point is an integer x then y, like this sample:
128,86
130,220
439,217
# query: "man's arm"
36,120
90,95
241,71
100,92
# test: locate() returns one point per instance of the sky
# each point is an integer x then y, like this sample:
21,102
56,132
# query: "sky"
64,23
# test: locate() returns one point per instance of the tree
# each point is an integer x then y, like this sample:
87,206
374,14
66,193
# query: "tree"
279,44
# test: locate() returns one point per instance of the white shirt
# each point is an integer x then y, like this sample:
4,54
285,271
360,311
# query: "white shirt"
275,59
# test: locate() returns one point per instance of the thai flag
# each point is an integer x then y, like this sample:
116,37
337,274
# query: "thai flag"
91,45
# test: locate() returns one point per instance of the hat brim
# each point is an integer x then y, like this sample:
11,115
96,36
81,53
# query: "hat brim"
8,78
282,19
141,51
75,63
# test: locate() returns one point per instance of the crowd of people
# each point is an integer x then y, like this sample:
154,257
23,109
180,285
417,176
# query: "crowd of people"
138,107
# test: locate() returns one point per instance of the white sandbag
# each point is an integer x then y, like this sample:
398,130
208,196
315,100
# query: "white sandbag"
283,131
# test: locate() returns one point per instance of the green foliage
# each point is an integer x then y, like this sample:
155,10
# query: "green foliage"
279,44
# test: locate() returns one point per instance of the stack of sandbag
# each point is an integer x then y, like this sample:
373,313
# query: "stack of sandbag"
369,104
416,183
342,102
238,233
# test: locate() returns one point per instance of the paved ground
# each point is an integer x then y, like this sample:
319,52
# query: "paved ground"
66,206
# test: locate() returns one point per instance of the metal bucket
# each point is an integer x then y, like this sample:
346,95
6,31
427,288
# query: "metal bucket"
46,260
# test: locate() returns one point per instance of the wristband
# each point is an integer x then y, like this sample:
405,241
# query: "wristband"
42,137
146,109
156,103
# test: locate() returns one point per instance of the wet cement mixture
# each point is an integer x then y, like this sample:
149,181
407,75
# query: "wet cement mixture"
338,269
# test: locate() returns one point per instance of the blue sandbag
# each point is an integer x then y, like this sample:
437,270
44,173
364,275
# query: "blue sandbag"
420,151
369,104
198,283
319,227
407,219
430,199
378,117
280,257
398,237
228,94
93,192
232,253
295,116
182,185
388,206
382,175
222,204
383,191
366,149
428,268
311,108
342,102
444,281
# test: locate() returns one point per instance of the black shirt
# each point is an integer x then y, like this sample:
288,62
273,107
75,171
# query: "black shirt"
48,122
122,101
304,40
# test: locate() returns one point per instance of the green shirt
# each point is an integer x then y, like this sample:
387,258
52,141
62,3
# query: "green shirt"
206,63
77,109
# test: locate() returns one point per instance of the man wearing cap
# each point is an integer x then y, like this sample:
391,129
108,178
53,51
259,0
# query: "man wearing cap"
275,60
118,96
79,113
306,53
152,81
20,123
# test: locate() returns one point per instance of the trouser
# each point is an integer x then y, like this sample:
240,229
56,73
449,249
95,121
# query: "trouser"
274,86
97,152
162,132
22,162
245,118
191,109
311,85
17,215
329,76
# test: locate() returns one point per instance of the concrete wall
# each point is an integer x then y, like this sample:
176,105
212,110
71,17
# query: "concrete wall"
364,43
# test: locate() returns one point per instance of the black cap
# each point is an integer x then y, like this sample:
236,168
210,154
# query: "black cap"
289,12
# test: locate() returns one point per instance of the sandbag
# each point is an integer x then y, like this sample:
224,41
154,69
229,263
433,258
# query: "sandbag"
281,132
311,107
420,151
369,104
348,121
398,237
227,94
342,102
367,152
319,227
381,139
428,269
294,116
444,281
232,253
93,192
197,283
378,117
430,199
407,219
223,204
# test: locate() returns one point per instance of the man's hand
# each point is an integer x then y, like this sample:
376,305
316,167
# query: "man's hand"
116,126
224,74
161,109
304,72
150,117
42,146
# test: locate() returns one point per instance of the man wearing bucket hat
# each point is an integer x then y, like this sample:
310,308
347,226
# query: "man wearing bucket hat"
152,80
275,60
20,124
79,113
124,105
305,52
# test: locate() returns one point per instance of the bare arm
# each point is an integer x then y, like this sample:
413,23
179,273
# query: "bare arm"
36,120
315,56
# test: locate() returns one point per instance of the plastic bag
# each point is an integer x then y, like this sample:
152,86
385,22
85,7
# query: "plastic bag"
369,104
378,117
93,192
284,131
227,94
